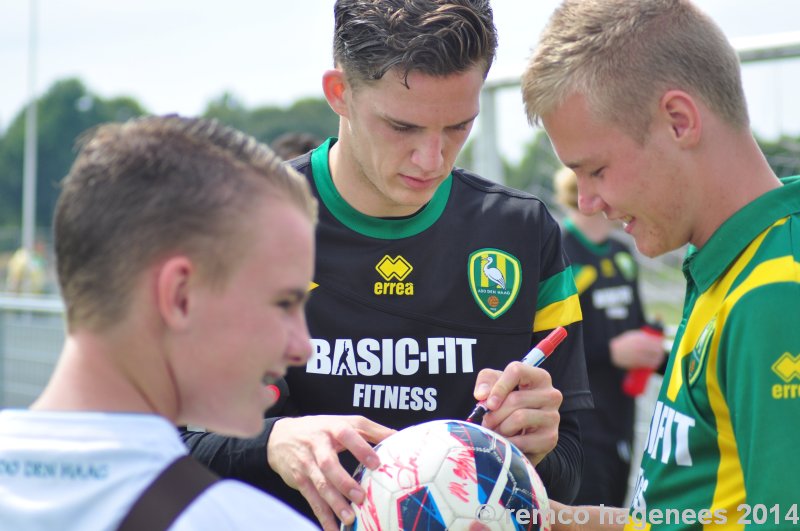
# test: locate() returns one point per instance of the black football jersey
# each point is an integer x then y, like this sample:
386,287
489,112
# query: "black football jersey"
404,312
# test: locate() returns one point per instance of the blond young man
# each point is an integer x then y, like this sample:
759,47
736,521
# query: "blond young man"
184,251
643,100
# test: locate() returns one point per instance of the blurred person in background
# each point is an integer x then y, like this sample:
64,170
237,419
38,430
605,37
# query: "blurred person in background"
293,144
616,340
27,271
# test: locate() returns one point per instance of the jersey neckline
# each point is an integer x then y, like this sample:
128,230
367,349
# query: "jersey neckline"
382,228
706,264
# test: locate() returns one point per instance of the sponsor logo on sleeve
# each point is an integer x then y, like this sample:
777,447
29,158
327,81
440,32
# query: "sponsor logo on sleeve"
787,368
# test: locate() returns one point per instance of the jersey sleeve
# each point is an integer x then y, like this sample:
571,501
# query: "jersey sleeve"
562,468
558,305
231,457
759,380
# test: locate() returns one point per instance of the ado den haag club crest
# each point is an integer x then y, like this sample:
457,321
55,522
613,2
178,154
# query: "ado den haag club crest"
494,280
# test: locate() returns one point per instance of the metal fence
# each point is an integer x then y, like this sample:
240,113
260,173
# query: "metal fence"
31,336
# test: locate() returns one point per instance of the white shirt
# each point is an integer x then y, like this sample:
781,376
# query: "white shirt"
83,471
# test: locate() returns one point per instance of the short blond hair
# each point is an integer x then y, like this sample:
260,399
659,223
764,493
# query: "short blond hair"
622,55
158,185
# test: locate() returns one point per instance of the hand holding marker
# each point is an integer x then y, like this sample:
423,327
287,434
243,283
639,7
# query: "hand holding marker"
534,358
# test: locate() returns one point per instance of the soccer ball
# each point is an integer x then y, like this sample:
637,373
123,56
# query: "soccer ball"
446,474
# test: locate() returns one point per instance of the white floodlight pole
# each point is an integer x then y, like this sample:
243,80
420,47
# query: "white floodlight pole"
29,162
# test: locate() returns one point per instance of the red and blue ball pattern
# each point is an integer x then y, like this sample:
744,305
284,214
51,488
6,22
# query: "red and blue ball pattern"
443,475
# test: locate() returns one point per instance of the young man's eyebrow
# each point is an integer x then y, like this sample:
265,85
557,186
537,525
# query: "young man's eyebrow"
401,123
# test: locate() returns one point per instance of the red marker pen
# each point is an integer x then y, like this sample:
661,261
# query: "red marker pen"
534,358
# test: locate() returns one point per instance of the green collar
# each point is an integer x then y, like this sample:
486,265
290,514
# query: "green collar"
707,264
382,228
600,249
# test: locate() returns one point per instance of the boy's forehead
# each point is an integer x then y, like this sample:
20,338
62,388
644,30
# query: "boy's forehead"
578,138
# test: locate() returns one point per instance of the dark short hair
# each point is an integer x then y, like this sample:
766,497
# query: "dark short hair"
435,37
293,144
143,189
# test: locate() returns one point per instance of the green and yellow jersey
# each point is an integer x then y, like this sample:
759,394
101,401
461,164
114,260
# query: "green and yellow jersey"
722,446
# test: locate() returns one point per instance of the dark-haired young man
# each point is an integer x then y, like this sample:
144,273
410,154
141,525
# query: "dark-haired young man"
431,282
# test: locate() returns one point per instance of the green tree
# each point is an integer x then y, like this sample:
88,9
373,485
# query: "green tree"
466,157
309,115
535,170
11,174
65,111
68,109
229,110
783,155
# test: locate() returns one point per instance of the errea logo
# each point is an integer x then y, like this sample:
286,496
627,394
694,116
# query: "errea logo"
394,271
787,367
393,268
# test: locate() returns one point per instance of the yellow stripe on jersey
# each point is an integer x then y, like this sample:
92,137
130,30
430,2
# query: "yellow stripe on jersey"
730,490
585,277
561,313
717,302
707,305
312,286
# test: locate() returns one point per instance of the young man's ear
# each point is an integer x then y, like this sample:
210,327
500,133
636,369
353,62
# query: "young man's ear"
173,290
683,116
335,87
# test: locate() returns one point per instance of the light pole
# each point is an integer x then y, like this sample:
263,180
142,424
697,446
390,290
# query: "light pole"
29,162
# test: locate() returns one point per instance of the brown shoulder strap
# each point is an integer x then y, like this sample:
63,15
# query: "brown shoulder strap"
168,495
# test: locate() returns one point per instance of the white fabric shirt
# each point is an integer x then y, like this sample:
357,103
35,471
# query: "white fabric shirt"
83,471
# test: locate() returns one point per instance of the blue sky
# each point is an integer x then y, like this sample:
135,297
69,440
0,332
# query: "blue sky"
176,55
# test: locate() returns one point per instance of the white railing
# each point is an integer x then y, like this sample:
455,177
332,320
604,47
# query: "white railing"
45,304
31,335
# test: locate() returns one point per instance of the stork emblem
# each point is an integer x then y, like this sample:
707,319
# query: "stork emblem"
494,280
492,273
